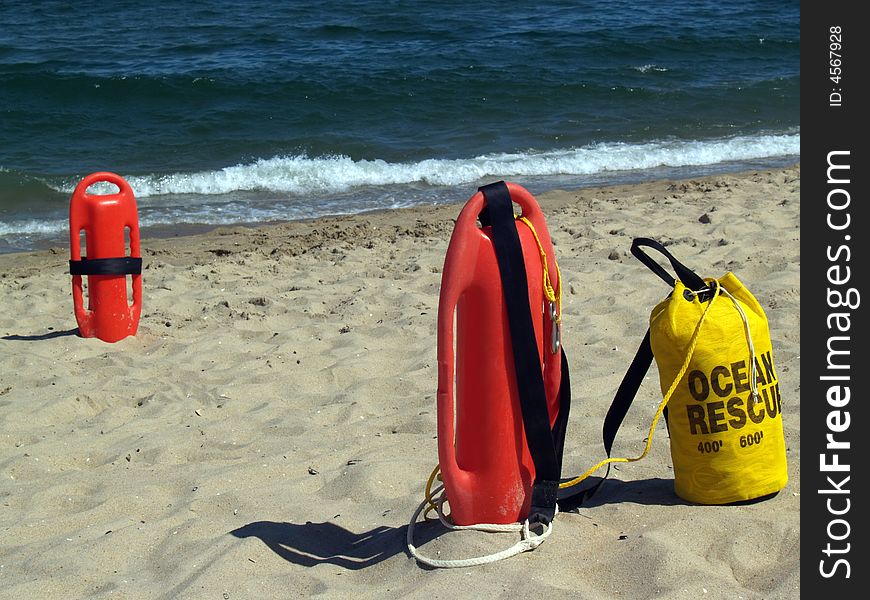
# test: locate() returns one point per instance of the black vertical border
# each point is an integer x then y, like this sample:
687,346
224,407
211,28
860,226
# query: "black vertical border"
833,119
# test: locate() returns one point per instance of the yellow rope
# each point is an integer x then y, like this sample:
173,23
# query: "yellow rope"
429,500
551,294
667,397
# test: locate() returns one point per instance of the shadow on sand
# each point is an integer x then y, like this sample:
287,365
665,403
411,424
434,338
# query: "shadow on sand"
309,544
40,337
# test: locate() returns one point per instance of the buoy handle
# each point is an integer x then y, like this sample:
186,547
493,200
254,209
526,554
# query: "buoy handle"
455,281
519,195
103,176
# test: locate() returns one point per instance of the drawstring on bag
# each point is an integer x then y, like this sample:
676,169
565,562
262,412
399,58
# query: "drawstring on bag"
752,369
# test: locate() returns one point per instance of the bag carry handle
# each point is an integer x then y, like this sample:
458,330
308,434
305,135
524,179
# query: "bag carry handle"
689,278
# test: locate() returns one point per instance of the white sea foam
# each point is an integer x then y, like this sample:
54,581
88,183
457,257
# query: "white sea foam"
34,227
299,187
303,175
650,67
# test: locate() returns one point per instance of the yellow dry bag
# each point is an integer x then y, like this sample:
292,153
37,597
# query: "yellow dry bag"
711,343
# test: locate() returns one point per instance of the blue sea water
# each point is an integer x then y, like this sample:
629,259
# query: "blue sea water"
254,111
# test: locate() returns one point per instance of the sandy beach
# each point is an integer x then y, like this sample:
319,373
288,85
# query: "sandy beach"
269,430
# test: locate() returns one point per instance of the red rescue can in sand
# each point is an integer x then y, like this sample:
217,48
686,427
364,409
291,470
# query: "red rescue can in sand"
107,223
483,453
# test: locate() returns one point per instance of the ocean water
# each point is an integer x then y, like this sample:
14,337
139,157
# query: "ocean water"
255,111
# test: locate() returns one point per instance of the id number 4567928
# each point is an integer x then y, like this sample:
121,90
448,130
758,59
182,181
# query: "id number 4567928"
835,64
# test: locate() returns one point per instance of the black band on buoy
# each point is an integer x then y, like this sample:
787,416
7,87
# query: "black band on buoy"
546,452
127,265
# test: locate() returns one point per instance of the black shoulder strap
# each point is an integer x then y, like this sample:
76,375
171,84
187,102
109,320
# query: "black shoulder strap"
545,451
689,278
640,364
570,498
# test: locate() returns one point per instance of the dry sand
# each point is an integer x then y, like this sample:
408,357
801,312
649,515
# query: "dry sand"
269,430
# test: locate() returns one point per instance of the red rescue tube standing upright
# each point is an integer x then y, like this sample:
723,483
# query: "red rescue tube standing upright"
484,457
105,220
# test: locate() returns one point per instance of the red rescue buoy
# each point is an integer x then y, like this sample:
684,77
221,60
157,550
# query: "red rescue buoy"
106,221
484,456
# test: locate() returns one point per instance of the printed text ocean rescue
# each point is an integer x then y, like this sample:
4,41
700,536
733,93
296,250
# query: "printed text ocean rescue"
732,411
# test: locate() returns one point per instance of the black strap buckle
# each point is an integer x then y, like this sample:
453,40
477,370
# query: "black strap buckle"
126,265
544,496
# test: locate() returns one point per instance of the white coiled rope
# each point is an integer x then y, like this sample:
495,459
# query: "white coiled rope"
528,539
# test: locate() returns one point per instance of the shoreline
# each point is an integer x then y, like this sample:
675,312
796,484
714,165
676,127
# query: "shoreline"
162,231
269,430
